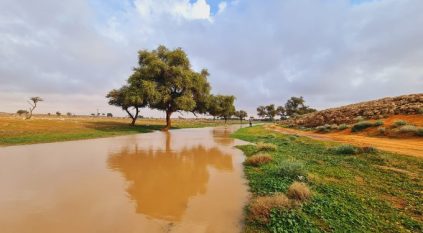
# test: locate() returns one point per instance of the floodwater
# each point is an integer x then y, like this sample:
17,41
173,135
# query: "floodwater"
187,180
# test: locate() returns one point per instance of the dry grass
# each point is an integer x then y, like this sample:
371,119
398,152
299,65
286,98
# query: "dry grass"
299,191
16,130
262,146
260,207
258,159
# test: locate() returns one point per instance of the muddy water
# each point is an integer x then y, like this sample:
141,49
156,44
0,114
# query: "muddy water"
184,181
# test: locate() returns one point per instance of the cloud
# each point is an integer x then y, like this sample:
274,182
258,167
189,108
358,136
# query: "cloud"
332,53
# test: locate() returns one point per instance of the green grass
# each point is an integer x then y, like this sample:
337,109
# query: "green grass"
365,192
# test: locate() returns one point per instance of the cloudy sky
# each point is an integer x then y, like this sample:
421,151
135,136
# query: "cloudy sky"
332,52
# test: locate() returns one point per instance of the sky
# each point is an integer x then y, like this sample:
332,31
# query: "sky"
331,52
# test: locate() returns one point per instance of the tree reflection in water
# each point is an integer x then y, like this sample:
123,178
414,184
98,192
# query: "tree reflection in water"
161,182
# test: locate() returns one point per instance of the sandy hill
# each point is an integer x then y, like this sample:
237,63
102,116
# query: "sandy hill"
375,109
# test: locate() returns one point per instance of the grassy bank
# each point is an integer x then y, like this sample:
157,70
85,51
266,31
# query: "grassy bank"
352,189
16,131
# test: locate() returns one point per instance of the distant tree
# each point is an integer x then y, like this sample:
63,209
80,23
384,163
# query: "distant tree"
280,111
267,111
296,106
261,111
174,85
222,106
21,112
58,113
33,103
92,114
103,114
241,114
109,115
69,114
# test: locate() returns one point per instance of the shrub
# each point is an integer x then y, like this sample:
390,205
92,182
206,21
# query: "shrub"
334,126
262,146
420,111
408,129
359,118
258,159
399,123
378,123
261,207
292,170
345,150
419,132
368,149
342,127
381,130
361,126
299,191
323,128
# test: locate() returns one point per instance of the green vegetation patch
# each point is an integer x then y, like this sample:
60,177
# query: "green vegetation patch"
368,191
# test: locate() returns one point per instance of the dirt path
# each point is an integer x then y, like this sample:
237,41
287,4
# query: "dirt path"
409,146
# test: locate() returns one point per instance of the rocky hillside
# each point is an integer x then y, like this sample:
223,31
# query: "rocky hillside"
376,109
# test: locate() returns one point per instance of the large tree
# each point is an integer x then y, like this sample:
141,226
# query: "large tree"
296,106
268,111
241,114
33,101
176,86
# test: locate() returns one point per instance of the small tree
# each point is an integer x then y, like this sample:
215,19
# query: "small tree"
261,111
33,103
222,106
241,114
280,111
69,114
296,106
21,112
109,115
58,113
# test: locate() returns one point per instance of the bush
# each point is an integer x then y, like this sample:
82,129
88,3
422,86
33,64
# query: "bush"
399,123
299,191
258,159
419,132
292,170
262,146
367,149
346,150
361,126
381,130
408,129
323,128
261,207
378,123
342,127
359,118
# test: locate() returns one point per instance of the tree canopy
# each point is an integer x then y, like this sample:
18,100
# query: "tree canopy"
33,101
296,106
164,80
241,114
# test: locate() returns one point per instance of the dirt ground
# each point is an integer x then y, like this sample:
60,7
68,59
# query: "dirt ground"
406,146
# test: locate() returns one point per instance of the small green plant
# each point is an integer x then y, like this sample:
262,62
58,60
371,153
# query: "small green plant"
381,130
378,123
359,118
334,126
408,129
361,126
342,127
367,149
262,146
419,132
346,150
399,123
323,128
292,170
420,111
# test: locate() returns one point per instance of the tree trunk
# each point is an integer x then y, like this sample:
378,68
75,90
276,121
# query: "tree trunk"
225,120
134,118
29,115
168,121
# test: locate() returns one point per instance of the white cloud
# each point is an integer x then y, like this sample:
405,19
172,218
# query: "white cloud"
330,52
221,7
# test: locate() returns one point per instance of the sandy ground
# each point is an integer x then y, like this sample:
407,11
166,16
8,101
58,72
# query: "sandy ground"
406,146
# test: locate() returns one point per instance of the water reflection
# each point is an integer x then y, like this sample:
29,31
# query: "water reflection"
162,181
